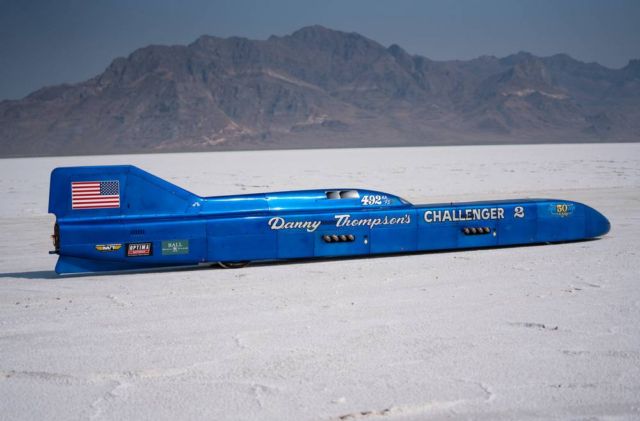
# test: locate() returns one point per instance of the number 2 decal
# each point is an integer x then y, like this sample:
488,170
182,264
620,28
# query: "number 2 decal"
518,212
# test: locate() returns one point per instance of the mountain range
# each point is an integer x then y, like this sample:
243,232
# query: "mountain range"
319,87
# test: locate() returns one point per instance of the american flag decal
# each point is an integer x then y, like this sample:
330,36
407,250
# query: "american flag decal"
95,194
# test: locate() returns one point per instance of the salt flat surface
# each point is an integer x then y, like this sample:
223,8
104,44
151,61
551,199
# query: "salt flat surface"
539,332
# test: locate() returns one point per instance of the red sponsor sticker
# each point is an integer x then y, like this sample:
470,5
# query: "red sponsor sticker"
139,249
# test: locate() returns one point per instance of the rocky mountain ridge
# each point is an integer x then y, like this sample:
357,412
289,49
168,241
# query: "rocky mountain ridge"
321,88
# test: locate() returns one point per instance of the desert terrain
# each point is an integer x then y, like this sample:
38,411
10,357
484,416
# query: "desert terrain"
538,332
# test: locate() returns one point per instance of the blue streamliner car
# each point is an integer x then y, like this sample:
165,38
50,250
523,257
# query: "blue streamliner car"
112,218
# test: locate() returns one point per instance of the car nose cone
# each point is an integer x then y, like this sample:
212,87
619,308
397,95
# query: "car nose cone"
597,223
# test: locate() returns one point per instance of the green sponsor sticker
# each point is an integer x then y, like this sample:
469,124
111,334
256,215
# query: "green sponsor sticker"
175,247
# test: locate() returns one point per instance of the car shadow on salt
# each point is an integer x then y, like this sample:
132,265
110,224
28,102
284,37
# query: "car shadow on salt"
50,274
34,274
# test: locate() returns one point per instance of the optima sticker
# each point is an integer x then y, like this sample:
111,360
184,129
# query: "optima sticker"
175,247
108,247
139,249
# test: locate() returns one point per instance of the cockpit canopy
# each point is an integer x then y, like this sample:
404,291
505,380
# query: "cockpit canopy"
343,194
338,198
303,200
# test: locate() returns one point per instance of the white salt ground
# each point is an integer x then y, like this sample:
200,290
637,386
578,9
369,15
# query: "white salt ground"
539,332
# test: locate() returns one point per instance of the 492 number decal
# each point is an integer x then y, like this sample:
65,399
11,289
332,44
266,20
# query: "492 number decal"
375,199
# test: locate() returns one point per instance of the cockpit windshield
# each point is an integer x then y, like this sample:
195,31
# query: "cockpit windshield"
343,194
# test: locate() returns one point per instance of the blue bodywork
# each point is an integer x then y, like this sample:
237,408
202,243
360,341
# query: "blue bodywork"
156,223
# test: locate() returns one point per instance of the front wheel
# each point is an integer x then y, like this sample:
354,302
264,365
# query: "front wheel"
233,265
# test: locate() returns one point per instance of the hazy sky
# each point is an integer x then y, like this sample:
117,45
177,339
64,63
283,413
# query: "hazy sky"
44,42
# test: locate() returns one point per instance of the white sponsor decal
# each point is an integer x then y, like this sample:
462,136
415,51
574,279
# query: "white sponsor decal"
278,223
455,215
346,221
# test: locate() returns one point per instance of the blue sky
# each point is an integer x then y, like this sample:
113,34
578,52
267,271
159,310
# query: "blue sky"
50,42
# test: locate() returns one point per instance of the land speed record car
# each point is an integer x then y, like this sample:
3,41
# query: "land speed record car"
113,218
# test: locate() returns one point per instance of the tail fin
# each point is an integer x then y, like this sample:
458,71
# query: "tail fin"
117,190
